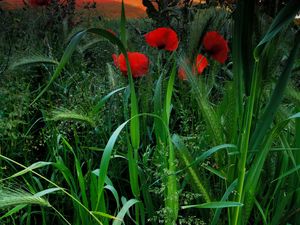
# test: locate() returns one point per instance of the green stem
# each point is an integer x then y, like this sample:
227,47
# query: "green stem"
244,143
55,185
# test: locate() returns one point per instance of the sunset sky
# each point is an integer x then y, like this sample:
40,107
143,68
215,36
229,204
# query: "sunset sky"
137,3
108,8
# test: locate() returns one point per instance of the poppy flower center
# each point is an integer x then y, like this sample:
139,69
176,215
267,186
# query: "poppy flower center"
215,49
161,46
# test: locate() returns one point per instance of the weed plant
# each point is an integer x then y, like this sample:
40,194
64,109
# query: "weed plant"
82,144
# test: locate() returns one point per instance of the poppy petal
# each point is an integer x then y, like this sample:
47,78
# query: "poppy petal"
199,66
163,38
139,63
216,46
201,63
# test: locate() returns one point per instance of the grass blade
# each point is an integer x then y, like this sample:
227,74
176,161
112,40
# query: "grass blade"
287,173
29,169
285,16
64,59
33,60
267,117
185,156
101,103
124,210
214,205
105,159
229,191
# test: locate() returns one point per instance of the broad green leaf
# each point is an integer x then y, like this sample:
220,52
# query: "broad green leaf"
46,192
124,210
115,194
105,159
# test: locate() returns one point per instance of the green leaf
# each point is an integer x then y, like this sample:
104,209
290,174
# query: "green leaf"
258,163
269,112
29,169
124,210
169,94
13,211
72,47
287,173
105,215
186,158
65,58
46,192
101,103
33,60
229,191
105,159
214,205
115,194
285,16
123,25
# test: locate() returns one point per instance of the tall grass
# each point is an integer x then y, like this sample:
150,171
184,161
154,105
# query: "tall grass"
220,148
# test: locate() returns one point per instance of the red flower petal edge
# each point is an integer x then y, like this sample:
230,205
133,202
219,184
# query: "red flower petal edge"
139,63
200,64
162,38
216,46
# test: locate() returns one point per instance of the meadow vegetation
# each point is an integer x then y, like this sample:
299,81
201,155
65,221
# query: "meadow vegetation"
123,122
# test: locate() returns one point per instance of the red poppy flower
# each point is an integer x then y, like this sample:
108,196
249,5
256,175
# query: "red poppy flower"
39,2
139,63
200,64
216,46
162,38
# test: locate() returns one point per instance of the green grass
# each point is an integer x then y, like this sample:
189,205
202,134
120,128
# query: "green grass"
82,144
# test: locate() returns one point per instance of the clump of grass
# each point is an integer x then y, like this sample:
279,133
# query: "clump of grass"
221,148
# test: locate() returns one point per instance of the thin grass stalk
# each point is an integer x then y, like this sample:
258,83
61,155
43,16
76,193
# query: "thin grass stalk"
276,98
242,69
244,142
172,203
209,114
81,182
55,185
133,147
187,159
297,157
257,166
